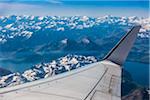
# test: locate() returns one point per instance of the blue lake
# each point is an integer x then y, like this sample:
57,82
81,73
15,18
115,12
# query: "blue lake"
139,72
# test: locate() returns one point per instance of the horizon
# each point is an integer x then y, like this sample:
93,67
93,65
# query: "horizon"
74,8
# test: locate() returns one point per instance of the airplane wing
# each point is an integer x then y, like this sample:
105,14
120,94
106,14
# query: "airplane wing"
97,81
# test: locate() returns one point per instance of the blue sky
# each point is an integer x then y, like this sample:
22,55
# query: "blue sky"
75,7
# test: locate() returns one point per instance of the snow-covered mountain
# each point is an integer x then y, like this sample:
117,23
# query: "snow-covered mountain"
26,26
23,38
45,70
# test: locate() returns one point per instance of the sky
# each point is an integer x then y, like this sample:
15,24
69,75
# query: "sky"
75,7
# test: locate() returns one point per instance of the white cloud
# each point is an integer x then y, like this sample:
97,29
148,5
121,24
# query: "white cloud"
54,1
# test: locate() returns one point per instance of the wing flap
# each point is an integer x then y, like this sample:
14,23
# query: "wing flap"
109,88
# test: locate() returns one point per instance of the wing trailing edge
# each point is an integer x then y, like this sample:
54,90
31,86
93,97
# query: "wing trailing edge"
120,52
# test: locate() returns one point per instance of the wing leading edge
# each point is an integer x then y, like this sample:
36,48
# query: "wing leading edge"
120,52
98,81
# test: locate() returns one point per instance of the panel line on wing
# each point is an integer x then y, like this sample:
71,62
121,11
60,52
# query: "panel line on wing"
96,84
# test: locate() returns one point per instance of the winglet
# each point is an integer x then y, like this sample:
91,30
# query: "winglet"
120,52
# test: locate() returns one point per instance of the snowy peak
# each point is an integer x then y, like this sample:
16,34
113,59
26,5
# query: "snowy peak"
45,70
25,26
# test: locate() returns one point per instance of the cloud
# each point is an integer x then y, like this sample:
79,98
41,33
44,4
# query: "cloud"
54,1
29,1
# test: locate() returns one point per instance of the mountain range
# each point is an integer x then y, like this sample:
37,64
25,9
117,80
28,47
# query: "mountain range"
25,37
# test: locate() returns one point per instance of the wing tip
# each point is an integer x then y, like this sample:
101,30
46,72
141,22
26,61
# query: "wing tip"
137,26
120,51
